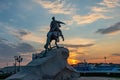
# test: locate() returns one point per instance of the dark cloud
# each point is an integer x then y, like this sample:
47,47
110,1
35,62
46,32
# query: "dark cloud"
23,32
109,30
1,40
116,54
77,46
19,33
10,49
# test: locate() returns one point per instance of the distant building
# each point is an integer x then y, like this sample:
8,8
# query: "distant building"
82,67
97,67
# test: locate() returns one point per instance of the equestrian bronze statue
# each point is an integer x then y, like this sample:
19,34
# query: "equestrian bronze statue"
54,33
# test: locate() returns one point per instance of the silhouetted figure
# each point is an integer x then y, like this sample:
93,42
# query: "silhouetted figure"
55,26
54,33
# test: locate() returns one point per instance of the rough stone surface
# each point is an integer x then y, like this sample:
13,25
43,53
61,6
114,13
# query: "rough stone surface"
53,66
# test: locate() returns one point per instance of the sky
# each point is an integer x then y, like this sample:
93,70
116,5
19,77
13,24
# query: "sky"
91,32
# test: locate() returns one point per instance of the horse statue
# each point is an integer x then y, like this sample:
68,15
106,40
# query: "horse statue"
52,36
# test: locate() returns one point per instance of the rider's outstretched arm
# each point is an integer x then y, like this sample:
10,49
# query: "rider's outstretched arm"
60,22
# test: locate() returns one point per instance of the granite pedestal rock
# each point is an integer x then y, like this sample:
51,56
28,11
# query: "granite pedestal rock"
53,66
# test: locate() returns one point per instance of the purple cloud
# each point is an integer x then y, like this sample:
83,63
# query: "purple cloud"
112,29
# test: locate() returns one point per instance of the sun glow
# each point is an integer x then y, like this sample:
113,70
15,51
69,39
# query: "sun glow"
73,61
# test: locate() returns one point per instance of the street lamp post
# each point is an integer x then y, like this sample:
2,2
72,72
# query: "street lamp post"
19,60
105,59
16,58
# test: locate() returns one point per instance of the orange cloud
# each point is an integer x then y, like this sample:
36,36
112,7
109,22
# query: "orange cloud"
99,9
61,8
77,55
77,41
114,33
89,18
33,38
110,3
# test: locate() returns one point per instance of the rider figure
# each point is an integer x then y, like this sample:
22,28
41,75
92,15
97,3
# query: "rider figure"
55,26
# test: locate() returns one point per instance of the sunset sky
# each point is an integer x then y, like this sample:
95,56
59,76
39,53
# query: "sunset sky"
92,29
